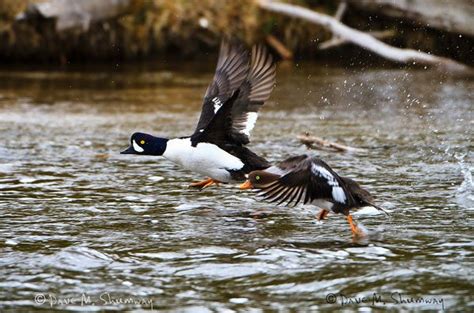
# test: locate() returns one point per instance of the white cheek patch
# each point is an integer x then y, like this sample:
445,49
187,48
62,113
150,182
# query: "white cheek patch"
136,147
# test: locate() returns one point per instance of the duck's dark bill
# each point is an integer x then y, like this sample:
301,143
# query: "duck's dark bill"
129,150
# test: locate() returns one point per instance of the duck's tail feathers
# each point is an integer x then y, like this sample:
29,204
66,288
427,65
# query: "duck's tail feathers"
379,208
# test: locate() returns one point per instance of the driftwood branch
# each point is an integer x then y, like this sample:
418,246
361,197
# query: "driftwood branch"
364,40
341,9
313,142
337,41
279,47
447,15
76,14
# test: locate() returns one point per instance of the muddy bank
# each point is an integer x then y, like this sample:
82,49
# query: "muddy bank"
151,29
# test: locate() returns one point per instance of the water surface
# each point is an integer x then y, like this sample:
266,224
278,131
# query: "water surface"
84,224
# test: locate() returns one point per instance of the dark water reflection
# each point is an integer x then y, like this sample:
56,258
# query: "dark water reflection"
78,219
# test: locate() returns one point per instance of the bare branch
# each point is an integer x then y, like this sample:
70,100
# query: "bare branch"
366,41
337,41
313,142
76,14
283,51
341,9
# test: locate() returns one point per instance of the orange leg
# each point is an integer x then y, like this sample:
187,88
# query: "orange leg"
205,183
356,232
322,214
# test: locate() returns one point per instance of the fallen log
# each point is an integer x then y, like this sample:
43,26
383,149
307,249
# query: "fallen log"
69,14
446,15
337,41
364,40
313,142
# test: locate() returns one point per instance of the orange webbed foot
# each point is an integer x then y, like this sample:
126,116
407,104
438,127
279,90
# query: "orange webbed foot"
204,184
322,214
356,231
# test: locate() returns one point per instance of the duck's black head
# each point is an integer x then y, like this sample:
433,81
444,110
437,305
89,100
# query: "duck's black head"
145,144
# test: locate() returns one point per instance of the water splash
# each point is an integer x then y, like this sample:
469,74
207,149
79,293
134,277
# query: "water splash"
465,192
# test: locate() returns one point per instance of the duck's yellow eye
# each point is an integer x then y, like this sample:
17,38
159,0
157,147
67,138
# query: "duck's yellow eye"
257,177
142,142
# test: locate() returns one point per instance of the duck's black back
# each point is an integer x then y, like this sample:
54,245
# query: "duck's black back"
252,162
361,196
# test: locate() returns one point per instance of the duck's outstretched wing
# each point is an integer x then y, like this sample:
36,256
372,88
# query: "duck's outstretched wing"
309,178
253,93
232,69
235,118
217,130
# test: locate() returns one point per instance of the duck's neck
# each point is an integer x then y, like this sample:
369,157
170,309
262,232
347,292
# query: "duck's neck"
178,150
157,146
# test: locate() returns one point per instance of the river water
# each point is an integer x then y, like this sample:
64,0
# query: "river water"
85,228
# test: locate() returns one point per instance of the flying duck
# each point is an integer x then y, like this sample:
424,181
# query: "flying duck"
216,149
310,180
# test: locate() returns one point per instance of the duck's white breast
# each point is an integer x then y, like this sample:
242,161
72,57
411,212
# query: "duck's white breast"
206,158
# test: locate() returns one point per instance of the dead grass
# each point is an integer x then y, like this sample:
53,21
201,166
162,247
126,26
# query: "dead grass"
152,26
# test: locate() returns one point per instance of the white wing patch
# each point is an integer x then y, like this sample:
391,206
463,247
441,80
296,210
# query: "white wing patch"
136,147
337,192
250,123
217,104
